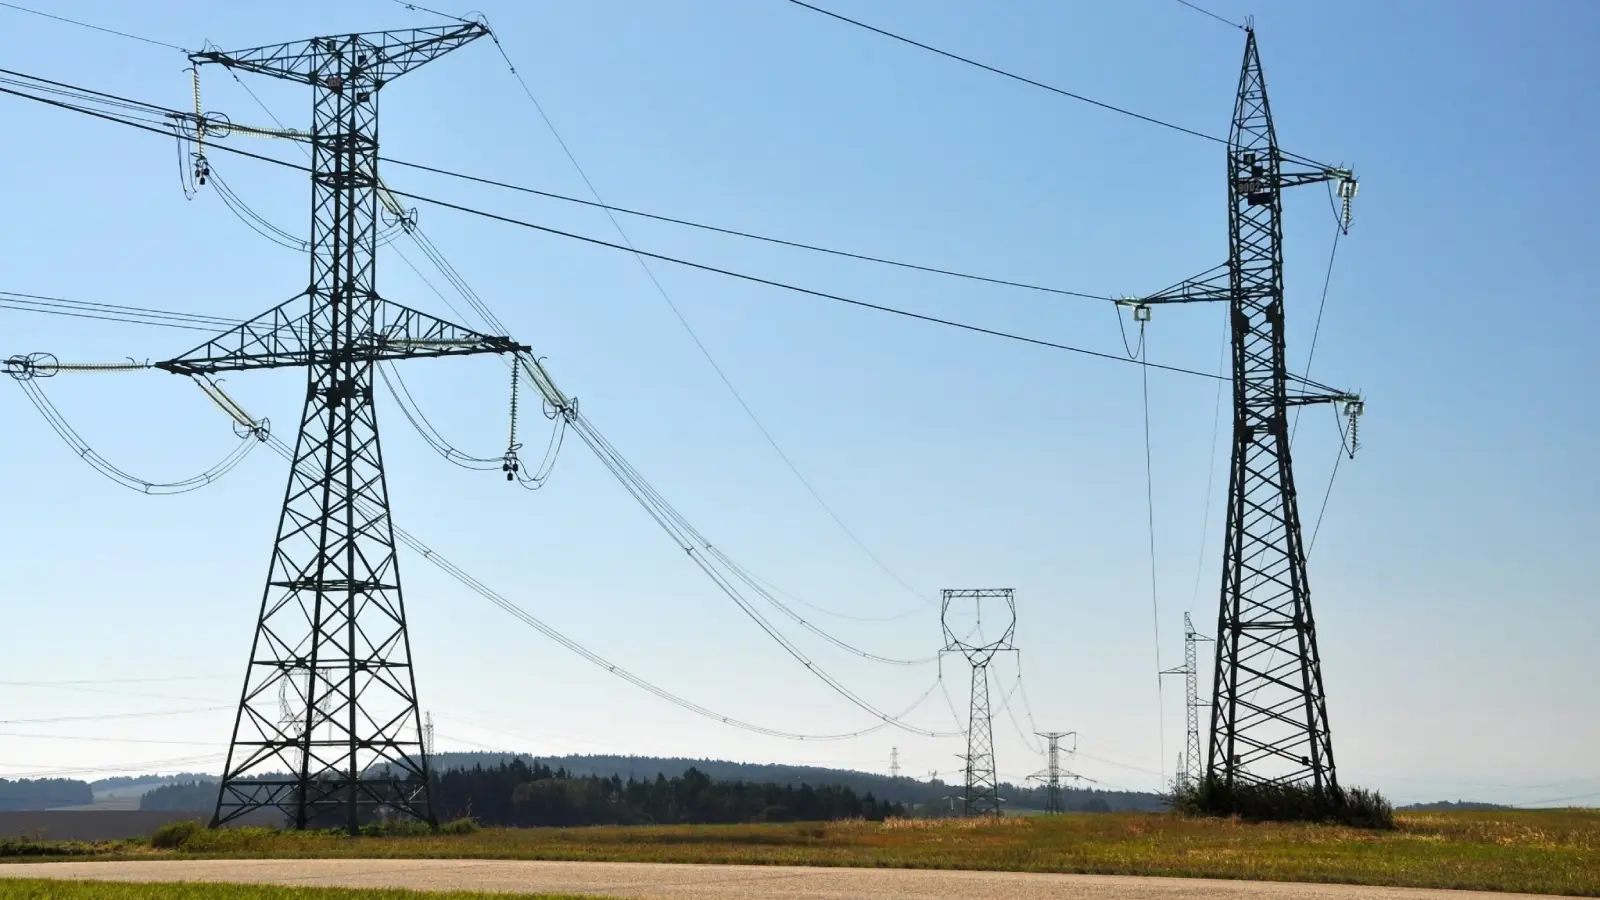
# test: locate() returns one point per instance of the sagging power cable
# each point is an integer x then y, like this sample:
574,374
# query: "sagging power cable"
27,370
705,352
478,587
754,279
113,312
703,554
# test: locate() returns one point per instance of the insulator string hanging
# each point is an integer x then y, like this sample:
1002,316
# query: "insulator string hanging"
510,465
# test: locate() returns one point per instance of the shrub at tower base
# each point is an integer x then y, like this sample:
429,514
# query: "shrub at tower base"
1254,802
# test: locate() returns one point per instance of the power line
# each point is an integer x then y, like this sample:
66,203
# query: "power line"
104,740
1211,466
1150,512
1025,80
1316,332
50,720
1202,10
443,15
706,352
431,435
121,34
597,203
886,720
755,279
734,232
1011,75
112,312
146,766
509,220
116,680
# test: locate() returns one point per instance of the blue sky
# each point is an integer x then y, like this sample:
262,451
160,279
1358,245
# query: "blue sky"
1453,577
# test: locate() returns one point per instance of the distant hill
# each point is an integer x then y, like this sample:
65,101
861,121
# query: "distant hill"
909,791
192,791
137,783
1447,805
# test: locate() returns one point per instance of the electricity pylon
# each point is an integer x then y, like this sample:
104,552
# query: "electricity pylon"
1051,776
983,786
894,762
1269,717
1189,770
332,605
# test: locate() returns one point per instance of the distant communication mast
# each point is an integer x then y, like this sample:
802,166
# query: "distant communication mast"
1193,761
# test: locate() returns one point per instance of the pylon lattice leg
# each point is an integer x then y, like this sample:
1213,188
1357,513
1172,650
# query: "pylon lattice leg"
983,788
332,608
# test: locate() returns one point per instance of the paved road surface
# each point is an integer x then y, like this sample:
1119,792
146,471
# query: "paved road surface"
650,881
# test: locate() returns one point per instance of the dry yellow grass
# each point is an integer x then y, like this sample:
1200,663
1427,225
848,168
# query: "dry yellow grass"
1543,851
113,890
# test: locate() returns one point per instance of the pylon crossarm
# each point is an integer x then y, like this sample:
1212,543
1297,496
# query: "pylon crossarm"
382,55
1312,399
1316,176
1211,286
279,338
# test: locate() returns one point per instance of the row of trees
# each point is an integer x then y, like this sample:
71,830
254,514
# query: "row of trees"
188,796
518,793
925,796
44,793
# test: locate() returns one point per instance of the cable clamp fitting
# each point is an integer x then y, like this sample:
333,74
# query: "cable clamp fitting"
1141,310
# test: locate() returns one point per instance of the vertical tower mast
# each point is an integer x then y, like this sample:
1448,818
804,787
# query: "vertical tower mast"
1269,717
983,786
332,606
1269,721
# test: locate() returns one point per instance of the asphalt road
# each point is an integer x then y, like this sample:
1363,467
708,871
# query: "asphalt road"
650,881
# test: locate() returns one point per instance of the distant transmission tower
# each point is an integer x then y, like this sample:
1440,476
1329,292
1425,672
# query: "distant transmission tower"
983,786
1189,768
427,736
1052,775
894,762
332,605
1269,717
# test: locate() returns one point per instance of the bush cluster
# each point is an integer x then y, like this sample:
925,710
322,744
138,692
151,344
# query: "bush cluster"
1252,802
174,835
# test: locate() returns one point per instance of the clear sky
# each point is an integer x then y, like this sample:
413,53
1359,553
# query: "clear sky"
1453,578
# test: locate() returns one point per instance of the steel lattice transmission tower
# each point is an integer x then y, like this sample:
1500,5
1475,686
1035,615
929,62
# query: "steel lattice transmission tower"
1190,771
983,785
1269,718
1053,772
332,615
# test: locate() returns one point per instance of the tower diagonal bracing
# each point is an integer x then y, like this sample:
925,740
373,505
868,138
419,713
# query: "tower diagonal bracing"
328,729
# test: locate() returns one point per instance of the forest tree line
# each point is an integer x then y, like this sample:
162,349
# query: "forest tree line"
44,793
520,794
922,797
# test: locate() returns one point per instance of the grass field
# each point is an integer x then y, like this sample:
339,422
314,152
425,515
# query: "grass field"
115,890
1536,851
